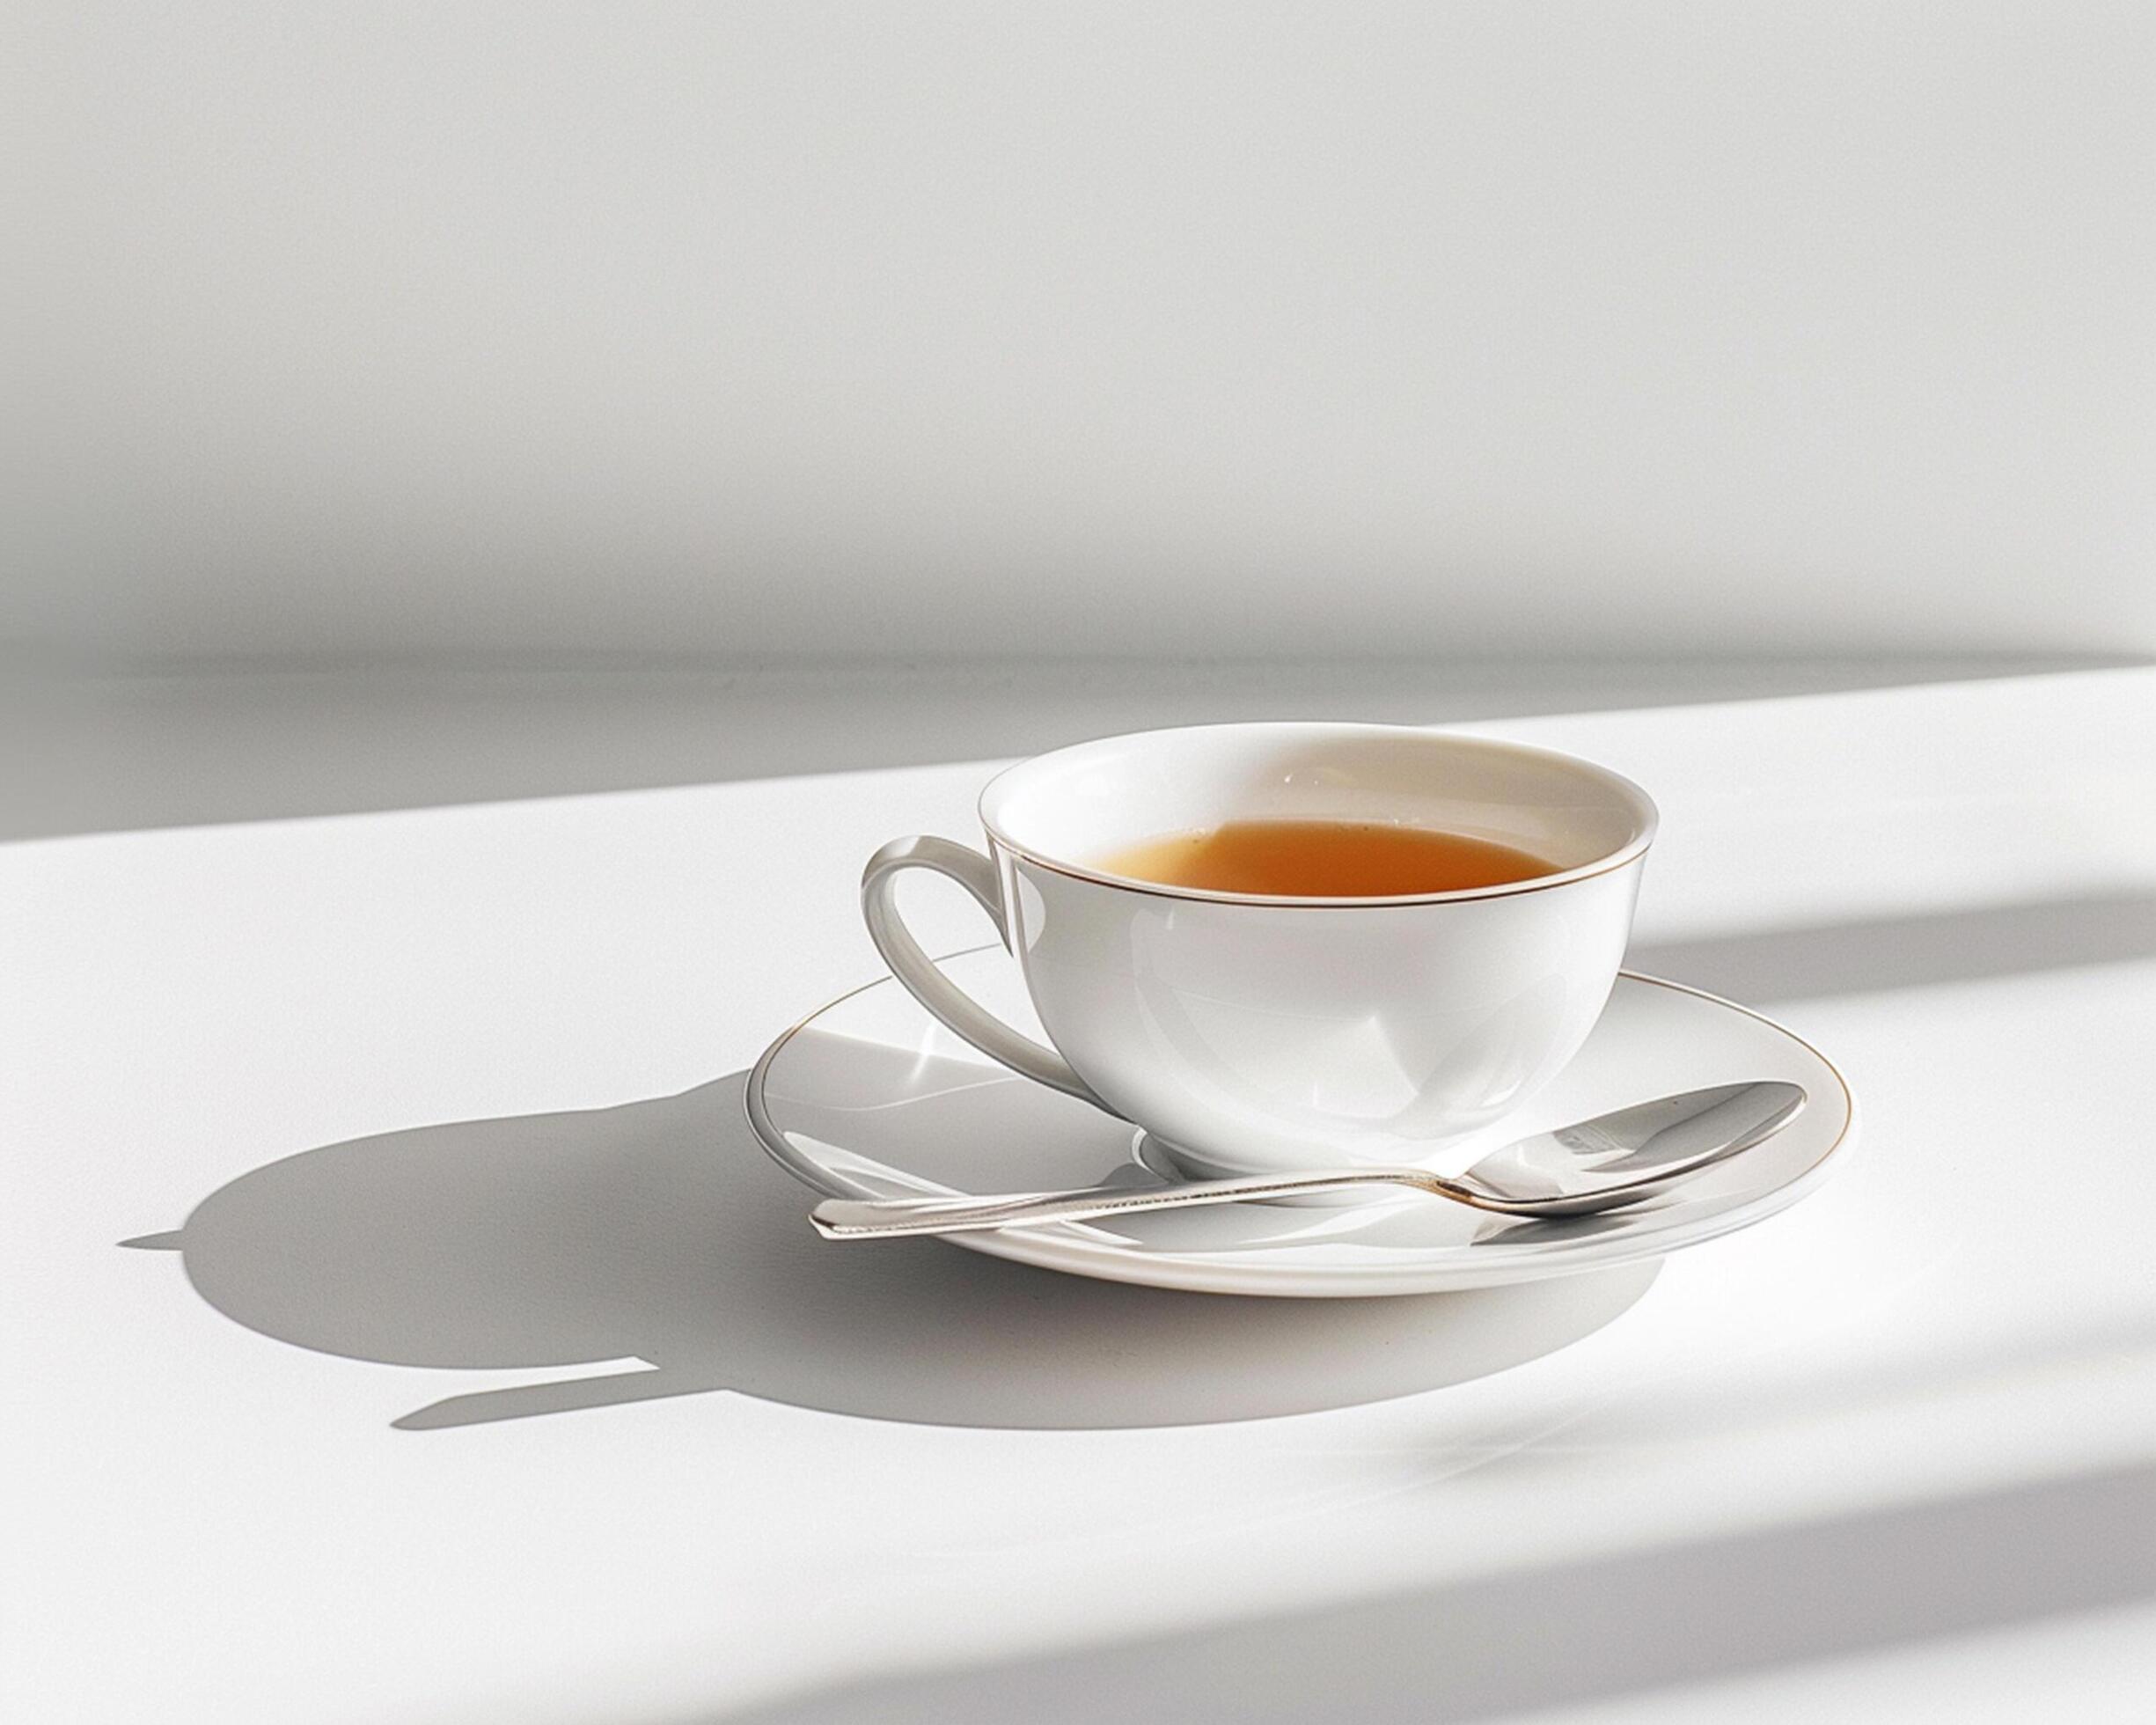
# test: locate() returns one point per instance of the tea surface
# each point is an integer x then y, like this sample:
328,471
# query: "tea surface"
1323,859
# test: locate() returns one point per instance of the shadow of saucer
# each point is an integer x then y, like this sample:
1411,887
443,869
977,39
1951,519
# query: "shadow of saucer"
659,1232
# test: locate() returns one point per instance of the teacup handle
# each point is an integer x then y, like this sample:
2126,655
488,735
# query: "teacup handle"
950,1005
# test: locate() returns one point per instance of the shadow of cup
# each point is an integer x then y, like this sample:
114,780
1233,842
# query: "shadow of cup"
659,1232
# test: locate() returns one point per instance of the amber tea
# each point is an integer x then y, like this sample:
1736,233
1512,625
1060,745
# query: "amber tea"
1323,859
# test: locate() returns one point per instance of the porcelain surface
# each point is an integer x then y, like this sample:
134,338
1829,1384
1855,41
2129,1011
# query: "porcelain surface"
870,1097
1245,1031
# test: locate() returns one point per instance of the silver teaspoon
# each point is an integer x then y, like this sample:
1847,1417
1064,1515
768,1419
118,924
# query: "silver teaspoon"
1600,1164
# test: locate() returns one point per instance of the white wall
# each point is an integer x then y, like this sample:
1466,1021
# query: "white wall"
1803,327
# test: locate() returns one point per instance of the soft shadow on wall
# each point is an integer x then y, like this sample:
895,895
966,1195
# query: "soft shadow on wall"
183,742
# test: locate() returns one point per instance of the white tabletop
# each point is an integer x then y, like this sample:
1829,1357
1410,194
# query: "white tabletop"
534,1399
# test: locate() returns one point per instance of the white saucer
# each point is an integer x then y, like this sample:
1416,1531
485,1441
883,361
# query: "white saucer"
870,1097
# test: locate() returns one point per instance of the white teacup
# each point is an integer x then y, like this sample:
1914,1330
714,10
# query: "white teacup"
1254,1034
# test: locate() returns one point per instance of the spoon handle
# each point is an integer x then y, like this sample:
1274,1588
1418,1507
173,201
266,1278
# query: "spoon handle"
891,1218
